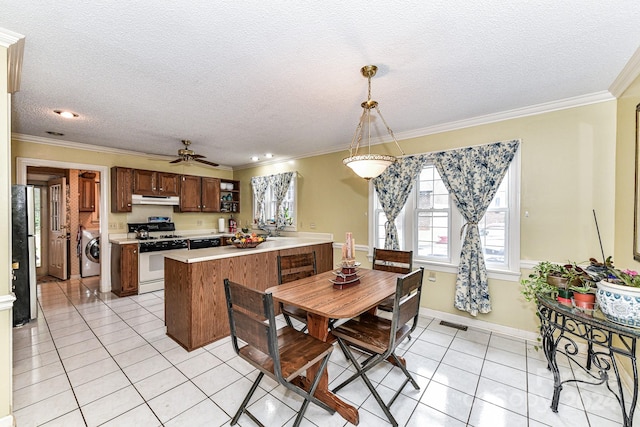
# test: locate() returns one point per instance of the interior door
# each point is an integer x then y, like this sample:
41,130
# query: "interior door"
58,228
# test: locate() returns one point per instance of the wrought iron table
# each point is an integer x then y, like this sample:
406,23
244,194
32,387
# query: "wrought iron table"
605,340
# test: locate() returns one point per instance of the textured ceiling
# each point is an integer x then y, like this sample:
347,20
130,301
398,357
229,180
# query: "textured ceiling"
248,77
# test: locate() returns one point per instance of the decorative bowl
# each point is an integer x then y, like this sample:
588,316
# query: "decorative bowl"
245,245
619,304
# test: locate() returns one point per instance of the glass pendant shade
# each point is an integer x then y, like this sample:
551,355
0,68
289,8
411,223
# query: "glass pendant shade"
369,166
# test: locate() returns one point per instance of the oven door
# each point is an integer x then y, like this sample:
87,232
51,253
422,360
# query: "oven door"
151,270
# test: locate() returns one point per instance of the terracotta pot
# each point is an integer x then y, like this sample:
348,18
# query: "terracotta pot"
586,301
562,282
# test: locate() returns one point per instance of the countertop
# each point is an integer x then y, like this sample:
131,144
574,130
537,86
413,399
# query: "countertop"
122,239
272,244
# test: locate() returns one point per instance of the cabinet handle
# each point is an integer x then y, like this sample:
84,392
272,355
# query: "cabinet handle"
161,188
135,252
203,206
128,205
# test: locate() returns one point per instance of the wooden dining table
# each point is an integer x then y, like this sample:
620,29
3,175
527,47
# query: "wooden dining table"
322,301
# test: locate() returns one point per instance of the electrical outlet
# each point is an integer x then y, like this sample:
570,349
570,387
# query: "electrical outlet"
312,226
199,222
113,226
121,226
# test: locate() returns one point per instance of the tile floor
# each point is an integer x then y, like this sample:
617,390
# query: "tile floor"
95,359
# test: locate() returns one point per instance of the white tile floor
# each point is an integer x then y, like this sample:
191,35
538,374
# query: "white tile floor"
95,359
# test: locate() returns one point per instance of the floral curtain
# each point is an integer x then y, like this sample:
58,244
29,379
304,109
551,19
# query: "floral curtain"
260,185
280,186
393,187
472,176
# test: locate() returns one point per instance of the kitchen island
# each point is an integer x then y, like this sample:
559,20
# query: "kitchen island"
195,307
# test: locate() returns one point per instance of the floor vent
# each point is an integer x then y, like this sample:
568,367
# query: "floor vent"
453,325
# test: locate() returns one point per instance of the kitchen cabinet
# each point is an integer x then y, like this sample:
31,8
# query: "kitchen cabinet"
87,194
121,187
124,269
152,183
199,194
229,196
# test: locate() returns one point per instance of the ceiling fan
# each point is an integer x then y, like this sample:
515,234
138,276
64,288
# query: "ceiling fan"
187,155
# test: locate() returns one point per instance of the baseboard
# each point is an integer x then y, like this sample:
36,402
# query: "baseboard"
480,324
7,421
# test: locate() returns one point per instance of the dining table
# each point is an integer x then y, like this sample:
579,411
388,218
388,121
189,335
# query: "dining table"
324,301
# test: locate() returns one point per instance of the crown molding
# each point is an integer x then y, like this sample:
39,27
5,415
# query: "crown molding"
14,43
547,107
627,76
90,147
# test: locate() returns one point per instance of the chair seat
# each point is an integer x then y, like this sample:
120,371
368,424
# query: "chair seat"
295,312
298,351
370,333
387,305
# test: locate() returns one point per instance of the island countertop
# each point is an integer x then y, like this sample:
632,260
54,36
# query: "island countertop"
220,252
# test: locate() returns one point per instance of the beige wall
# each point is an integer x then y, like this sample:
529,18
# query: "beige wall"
567,162
6,319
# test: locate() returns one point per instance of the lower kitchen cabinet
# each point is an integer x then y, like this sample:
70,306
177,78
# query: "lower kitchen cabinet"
124,269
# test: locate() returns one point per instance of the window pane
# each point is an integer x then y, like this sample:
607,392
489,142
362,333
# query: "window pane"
493,236
433,238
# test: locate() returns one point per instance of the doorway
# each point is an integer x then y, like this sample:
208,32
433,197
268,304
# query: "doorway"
98,219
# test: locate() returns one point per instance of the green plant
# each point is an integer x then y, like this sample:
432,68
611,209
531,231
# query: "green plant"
586,288
536,283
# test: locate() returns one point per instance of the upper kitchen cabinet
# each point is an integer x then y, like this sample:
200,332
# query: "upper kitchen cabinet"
229,196
121,186
87,194
152,183
199,194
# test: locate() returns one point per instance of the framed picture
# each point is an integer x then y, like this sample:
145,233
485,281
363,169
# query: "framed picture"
636,216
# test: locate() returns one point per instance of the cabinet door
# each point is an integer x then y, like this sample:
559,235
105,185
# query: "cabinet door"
87,194
144,182
129,269
190,194
168,184
210,194
121,187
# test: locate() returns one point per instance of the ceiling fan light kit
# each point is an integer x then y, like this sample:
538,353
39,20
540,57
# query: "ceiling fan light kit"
189,156
369,165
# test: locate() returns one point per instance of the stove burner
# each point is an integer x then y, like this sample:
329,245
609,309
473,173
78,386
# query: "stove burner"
170,236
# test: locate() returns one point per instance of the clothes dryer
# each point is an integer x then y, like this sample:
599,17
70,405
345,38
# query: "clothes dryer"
90,247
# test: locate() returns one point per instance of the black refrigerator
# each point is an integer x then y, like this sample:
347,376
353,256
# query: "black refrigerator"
23,254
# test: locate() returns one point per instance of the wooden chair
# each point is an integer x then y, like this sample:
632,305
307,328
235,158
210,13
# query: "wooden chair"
282,354
379,337
290,268
394,261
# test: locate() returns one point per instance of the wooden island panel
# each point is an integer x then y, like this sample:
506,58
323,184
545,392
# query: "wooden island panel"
195,306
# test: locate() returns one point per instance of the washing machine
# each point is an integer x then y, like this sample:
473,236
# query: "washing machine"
90,247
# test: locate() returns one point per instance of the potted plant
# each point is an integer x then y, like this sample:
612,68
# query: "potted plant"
536,283
584,296
618,295
552,279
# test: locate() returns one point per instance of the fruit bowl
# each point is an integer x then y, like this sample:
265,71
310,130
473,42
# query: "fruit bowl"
245,245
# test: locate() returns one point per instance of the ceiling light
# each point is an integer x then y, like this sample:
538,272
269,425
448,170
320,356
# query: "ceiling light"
268,155
255,158
66,114
368,165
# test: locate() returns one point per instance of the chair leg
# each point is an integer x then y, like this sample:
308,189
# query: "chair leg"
288,320
246,401
309,396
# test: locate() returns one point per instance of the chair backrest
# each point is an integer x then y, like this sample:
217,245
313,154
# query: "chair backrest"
406,305
394,261
252,319
297,266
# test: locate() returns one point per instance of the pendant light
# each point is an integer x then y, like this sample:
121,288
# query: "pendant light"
368,165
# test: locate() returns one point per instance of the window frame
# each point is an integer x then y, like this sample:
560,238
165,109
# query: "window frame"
510,271
293,188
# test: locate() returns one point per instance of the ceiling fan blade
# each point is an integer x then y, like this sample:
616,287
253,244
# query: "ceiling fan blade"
176,160
197,156
206,162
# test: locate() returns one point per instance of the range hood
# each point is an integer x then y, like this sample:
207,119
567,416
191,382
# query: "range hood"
138,199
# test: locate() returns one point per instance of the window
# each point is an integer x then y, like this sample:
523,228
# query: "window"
288,206
430,224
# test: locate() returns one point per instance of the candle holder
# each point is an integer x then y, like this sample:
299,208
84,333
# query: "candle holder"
347,275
